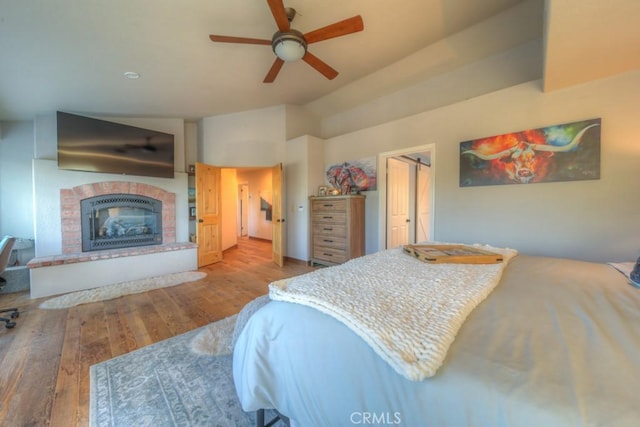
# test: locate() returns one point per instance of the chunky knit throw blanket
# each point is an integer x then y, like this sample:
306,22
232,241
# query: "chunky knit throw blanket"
408,311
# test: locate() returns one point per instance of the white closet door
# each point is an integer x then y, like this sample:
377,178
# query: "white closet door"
397,203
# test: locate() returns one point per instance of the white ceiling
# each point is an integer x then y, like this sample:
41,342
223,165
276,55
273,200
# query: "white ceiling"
70,55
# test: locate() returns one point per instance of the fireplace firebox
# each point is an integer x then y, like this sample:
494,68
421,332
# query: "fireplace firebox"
115,221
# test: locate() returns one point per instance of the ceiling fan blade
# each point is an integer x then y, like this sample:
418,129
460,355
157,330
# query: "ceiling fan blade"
280,15
320,66
231,39
273,72
342,28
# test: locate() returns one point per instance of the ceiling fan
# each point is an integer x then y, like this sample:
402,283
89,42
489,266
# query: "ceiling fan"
291,45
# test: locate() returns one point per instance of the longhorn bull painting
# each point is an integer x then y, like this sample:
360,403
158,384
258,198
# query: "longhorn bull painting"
566,152
358,174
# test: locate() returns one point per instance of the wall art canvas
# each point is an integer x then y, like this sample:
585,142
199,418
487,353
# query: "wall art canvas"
359,175
565,152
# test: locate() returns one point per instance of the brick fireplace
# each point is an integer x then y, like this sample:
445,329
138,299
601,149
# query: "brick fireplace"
71,211
61,265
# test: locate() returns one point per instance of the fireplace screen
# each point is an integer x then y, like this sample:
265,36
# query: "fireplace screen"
120,221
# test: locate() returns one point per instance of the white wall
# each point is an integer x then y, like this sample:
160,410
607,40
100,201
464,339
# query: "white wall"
229,201
591,220
191,157
299,122
16,182
304,173
190,143
250,138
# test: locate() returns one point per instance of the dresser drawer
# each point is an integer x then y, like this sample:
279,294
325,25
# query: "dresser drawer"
339,242
329,205
332,217
329,254
327,229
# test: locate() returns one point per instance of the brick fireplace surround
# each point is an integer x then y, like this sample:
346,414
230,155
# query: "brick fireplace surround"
70,208
166,258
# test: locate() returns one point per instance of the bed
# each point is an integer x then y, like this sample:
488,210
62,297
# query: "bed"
556,342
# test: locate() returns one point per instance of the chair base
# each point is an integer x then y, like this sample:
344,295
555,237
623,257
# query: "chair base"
8,321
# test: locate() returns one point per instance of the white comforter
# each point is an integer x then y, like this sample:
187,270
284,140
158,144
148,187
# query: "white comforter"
557,343
408,311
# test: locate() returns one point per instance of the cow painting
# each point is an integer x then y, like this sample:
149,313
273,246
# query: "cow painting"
565,152
355,175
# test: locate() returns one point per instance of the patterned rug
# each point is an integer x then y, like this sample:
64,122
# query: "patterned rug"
171,383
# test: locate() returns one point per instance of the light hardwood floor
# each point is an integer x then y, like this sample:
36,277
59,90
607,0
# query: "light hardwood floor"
45,359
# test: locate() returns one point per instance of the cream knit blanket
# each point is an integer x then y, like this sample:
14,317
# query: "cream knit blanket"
408,311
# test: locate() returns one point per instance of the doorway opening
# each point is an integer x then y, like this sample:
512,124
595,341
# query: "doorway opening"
406,196
234,203
243,210
253,200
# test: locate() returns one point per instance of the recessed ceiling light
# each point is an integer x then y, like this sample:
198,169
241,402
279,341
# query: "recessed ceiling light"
131,75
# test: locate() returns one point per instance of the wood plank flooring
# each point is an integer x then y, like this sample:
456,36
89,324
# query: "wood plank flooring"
45,359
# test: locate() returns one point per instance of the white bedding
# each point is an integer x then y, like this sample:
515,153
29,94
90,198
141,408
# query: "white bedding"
408,311
557,343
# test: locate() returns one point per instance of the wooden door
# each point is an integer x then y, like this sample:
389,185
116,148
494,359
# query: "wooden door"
277,218
397,203
208,214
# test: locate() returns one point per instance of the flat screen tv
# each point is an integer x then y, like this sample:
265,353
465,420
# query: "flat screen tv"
92,145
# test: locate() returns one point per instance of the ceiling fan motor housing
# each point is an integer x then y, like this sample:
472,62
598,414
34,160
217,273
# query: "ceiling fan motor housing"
289,45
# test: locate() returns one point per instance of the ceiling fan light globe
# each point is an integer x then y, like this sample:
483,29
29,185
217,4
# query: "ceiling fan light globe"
289,50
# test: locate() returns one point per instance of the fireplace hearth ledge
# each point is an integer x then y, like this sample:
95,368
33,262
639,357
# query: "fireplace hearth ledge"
59,274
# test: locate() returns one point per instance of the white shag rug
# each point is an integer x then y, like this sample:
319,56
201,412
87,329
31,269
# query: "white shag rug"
116,290
215,339
219,338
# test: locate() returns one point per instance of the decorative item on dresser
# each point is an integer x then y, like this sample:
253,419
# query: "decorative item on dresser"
337,228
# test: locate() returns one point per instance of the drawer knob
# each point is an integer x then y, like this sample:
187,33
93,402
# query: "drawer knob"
327,229
327,217
329,205
328,241
326,254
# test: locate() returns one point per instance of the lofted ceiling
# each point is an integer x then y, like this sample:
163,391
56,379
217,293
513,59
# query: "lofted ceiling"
590,39
71,55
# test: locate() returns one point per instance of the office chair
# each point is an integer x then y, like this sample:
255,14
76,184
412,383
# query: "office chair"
5,253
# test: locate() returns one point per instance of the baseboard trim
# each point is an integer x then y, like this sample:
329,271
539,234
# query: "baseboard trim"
296,261
285,258
261,239
230,247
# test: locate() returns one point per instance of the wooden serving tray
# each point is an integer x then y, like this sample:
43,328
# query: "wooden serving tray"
454,254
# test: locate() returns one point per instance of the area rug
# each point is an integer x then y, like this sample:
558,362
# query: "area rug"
116,290
186,380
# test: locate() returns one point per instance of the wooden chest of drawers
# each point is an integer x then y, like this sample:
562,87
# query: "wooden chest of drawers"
337,229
